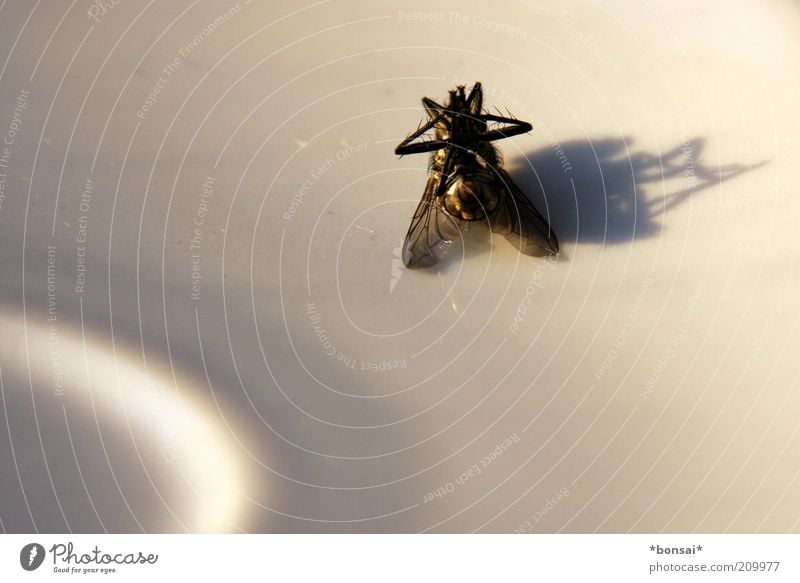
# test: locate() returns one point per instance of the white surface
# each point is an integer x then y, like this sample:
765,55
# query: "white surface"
682,287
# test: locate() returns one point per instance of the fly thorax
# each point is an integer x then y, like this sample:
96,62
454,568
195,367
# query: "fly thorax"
470,197
439,158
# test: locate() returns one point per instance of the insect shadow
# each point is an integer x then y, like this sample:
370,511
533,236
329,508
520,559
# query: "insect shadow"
620,193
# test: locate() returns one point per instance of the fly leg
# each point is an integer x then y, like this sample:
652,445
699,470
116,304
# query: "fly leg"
513,127
406,146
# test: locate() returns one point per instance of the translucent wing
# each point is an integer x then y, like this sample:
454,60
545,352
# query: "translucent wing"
518,220
432,230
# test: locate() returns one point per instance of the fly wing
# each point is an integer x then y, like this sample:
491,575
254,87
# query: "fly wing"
518,220
432,230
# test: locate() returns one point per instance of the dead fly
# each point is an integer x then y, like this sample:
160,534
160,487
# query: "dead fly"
467,182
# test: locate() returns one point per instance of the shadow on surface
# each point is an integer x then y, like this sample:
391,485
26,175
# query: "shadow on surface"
619,193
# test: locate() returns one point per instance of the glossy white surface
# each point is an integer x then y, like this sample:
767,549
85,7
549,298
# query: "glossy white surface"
646,381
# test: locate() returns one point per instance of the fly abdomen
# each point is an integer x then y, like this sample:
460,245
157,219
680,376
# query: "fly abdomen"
471,197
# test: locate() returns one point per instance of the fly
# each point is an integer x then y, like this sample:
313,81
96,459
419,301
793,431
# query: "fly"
467,182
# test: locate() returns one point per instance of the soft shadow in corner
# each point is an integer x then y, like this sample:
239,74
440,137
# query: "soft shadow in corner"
609,175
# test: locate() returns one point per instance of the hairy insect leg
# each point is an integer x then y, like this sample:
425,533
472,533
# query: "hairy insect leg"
432,108
407,147
513,127
475,100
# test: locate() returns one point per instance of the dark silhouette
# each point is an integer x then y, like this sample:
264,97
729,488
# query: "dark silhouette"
619,193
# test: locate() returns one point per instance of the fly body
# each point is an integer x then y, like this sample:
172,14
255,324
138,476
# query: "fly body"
467,182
